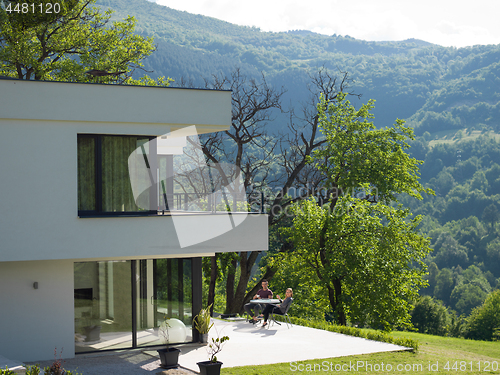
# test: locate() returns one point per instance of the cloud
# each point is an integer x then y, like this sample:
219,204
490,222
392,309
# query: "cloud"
442,22
447,34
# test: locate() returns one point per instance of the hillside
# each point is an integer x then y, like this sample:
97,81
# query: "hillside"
450,96
435,88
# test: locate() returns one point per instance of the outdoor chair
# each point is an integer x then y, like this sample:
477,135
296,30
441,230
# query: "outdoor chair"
272,319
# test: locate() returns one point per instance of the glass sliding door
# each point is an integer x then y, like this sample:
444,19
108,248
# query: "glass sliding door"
164,290
122,304
103,298
146,314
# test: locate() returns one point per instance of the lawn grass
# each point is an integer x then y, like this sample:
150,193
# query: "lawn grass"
462,356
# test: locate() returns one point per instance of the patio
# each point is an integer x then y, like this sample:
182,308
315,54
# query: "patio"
246,347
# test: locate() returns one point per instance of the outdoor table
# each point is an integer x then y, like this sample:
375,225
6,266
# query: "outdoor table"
265,301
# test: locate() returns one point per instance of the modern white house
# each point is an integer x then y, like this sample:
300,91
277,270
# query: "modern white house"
89,261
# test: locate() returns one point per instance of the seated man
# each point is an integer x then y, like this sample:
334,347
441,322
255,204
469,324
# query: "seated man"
278,309
263,293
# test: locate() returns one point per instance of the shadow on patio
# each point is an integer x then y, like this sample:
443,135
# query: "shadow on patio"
249,345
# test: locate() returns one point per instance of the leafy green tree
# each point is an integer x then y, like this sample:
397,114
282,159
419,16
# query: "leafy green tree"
474,275
359,156
493,256
465,297
443,182
484,321
479,181
278,161
493,177
430,316
469,233
466,169
66,46
431,277
311,302
470,291
365,253
444,285
449,252
491,215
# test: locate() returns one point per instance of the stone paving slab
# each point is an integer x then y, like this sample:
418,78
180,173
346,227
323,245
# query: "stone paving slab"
254,345
249,345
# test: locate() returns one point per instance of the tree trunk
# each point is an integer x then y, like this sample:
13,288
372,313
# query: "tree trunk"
246,264
231,276
335,295
211,287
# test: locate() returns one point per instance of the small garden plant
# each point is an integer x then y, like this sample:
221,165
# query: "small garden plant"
202,321
164,326
215,346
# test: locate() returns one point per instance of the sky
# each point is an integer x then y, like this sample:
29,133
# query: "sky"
448,23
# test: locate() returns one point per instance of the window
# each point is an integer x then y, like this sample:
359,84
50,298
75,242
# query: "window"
104,183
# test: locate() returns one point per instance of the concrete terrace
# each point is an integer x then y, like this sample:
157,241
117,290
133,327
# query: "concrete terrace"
249,345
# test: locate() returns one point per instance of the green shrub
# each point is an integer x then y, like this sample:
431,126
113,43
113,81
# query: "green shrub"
33,370
430,316
358,332
7,371
484,321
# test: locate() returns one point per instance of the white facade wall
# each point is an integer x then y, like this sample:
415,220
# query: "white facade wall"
33,322
39,206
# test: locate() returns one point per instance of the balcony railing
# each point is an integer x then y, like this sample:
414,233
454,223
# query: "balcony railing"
217,202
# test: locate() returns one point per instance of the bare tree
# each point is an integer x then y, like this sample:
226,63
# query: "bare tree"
278,163
296,179
299,142
251,150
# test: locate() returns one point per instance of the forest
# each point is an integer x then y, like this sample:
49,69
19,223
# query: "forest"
450,98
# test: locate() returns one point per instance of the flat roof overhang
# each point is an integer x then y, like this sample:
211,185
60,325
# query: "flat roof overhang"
208,110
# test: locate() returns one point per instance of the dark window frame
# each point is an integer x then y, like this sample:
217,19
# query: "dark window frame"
98,211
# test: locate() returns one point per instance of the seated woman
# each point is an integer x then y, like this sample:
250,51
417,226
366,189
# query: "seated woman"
278,309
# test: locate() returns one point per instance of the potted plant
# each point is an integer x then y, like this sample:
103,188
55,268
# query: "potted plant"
169,356
203,323
212,366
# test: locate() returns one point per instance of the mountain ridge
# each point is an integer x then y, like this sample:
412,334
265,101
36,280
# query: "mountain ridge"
434,88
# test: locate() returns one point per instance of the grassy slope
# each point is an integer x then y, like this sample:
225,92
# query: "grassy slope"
433,350
450,136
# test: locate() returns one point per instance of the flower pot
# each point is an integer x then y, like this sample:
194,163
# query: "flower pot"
209,368
203,338
169,357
